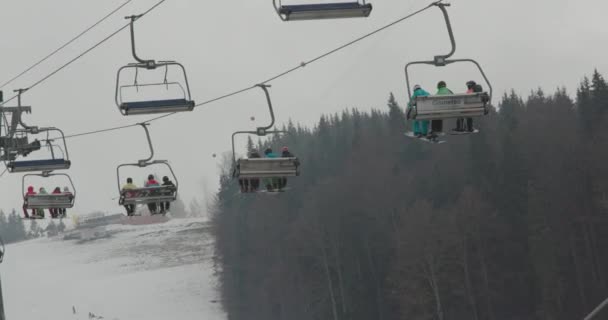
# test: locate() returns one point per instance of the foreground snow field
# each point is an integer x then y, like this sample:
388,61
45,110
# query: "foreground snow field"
162,271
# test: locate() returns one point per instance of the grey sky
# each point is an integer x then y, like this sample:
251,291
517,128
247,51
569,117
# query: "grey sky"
227,45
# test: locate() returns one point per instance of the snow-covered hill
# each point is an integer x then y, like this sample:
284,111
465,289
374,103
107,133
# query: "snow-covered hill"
161,271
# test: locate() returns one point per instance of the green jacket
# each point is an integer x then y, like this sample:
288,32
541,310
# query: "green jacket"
443,91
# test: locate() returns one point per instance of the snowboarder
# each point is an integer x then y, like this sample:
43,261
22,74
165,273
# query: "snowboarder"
420,126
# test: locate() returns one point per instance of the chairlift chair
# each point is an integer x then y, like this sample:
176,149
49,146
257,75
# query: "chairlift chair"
48,201
127,107
264,167
327,10
461,105
146,195
52,163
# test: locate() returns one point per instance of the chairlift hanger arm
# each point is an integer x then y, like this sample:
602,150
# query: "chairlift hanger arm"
149,63
147,160
272,119
442,6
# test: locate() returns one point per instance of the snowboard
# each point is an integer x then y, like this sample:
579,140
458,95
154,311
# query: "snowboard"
459,133
424,139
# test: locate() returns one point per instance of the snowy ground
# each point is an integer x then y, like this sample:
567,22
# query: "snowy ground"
150,272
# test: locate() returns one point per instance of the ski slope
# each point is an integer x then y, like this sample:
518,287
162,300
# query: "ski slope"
162,271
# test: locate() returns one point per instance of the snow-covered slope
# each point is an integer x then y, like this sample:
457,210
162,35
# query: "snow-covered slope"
149,272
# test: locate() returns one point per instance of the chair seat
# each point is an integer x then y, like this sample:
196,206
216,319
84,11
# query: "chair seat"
157,106
325,11
39,165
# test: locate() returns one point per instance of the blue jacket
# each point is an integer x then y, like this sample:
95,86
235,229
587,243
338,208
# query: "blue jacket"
417,93
272,155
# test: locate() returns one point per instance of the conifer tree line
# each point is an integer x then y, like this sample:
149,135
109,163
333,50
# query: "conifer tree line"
510,223
13,229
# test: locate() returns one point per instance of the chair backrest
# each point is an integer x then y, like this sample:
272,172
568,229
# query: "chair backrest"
47,201
451,106
148,195
267,167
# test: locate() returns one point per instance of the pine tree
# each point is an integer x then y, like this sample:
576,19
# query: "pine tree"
35,230
178,208
61,226
51,229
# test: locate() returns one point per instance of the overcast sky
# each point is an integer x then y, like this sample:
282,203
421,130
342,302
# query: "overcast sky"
230,44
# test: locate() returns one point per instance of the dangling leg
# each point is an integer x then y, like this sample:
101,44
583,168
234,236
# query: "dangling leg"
424,130
459,125
27,215
242,185
417,128
470,124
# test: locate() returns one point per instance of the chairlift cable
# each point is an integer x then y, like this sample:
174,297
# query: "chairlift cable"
84,53
65,45
320,57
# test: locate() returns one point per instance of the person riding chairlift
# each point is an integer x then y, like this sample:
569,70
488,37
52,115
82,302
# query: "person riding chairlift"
55,211
40,212
151,183
30,192
472,87
285,154
271,183
250,185
442,89
164,206
421,127
129,186
63,211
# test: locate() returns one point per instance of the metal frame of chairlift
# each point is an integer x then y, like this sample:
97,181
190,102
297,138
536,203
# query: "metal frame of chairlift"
152,194
268,162
456,99
151,106
52,164
10,144
333,10
47,201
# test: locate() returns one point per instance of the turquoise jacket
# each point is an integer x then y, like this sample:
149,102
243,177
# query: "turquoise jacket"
417,93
